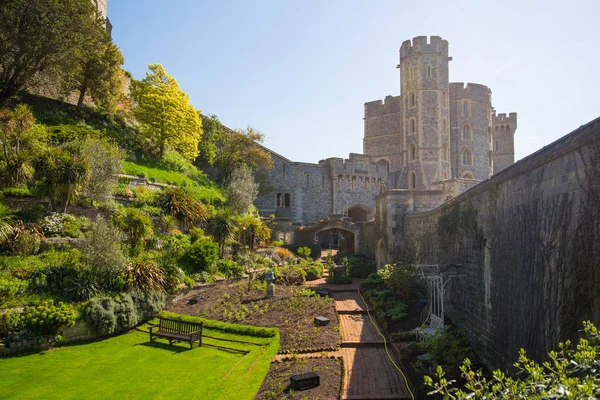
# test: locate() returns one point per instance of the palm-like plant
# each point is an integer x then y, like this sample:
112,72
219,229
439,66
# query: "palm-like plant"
221,228
7,222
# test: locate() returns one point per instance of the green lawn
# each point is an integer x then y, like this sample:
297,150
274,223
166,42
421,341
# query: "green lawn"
204,188
129,367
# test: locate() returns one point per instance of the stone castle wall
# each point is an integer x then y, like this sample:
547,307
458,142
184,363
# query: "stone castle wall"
522,244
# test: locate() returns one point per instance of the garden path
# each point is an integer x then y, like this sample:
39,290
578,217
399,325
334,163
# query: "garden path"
369,373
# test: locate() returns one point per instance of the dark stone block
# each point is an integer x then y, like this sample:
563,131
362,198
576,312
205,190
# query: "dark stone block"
305,381
321,321
323,292
195,300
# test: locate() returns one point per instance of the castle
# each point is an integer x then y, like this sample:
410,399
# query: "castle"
433,141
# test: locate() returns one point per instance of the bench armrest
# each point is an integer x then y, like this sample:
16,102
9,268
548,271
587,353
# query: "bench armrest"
151,326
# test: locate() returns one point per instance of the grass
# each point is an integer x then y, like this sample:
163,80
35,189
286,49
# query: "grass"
228,365
203,188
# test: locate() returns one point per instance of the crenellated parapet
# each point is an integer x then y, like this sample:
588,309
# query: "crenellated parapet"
472,91
504,120
378,108
420,45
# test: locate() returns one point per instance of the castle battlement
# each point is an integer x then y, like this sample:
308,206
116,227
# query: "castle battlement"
377,108
473,91
502,119
420,45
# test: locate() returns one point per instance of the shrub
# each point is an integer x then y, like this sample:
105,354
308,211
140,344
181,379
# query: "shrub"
315,249
107,315
47,318
10,321
229,269
183,205
313,271
81,284
303,252
290,274
102,248
202,255
16,192
25,240
143,196
137,226
447,348
361,267
202,277
33,213
57,224
10,286
144,275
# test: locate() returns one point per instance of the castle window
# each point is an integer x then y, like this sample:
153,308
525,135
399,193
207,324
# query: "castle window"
444,127
467,157
287,200
496,129
489,134
412,101
445,152
466,132
497,145
507,129
464,108
502,129
444,102
279,200
412,152
490,159
445,175
412,181
429,71
412,126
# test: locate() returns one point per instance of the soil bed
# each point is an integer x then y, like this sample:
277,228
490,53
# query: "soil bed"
276,383
288,311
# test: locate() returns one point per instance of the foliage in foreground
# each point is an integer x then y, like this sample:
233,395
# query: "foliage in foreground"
568,374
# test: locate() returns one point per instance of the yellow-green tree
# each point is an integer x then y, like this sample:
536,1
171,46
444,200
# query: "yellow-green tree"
165,113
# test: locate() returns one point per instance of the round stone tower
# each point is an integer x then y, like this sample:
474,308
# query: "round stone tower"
426,117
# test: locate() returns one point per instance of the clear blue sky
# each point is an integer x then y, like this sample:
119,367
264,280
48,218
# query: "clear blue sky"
301,71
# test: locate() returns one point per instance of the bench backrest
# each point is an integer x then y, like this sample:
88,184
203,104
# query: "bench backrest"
178,326
435,322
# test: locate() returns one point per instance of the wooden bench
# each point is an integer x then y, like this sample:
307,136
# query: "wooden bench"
178,331
435,323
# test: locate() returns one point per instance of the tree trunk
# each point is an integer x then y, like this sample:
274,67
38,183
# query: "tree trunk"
82,91
68,191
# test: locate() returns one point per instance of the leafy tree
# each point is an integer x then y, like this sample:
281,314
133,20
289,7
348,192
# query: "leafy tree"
221,228
165,113
241,190
202,255
105,162
568,374
38,36
239,148
213,135
96,68
21,141
102,247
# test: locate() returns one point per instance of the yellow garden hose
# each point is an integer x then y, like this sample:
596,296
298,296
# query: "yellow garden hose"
385,346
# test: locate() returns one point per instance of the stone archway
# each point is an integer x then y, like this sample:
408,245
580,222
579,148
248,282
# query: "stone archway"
381,255
336,239
310,234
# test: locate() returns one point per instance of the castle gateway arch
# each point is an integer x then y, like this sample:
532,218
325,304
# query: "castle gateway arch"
340,233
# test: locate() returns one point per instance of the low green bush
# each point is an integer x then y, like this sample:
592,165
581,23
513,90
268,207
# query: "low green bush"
361,267
313,271
108,315
32,213
16,192
48,318
315,249
229,268
25,240
202,255
226,327
10,321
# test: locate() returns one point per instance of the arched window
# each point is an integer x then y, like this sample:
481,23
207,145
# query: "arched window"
444,127
490,159
444,100
445,155
502,129
445,175
466,132
412,99
496,129
464,108
412,152
489,134
412,126
497,146
412,181
279,200
507,129
467,157
287,200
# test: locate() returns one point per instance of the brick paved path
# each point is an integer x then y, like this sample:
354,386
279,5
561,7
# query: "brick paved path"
369,373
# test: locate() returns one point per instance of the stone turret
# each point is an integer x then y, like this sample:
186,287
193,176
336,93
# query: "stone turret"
503,140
